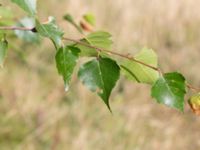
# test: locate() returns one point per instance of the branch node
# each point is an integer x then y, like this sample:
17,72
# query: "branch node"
34,30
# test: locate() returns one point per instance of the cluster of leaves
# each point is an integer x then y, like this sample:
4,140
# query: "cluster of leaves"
101,73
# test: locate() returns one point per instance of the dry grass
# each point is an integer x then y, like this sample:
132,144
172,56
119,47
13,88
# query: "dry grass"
36,113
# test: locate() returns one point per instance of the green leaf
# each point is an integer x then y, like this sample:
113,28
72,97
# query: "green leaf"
3,51
138,72
28,36
70,19
27,5
50,30
170,90
6,16
98,39
100,76
90,19
66,59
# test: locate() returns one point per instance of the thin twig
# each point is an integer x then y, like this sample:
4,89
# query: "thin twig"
16,28
85,44
193,88
111,52
98,49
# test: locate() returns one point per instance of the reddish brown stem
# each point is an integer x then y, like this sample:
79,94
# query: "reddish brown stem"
16,28
111,52
193,88
98,49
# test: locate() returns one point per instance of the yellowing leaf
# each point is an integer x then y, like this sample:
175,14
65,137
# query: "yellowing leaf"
194,103
90,18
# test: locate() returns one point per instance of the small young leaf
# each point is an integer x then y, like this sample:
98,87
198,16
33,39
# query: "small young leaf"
88,22
100,76
27,5
51,31
66,58
3,51
99,39
194,103
70,19
170,90
138,72
90,19
28,36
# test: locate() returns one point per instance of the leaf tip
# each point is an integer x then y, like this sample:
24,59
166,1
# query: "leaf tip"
109,108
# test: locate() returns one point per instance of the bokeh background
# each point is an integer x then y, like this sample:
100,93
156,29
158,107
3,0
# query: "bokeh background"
36,113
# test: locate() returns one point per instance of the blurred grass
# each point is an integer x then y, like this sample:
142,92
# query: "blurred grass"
36,113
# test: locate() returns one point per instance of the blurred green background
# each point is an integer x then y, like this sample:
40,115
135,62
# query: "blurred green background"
36,113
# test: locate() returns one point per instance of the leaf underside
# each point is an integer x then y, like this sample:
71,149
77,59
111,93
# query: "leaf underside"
27,36
50,30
